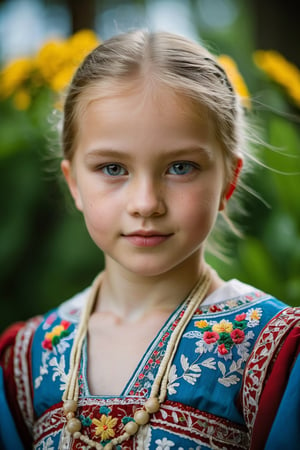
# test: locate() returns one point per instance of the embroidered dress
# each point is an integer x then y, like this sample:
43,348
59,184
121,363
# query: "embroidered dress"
226,387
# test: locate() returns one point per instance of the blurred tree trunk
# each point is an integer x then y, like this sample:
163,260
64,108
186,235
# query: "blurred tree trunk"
83,14
277,27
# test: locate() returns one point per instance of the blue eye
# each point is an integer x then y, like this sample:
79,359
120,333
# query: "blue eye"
113,170
181,168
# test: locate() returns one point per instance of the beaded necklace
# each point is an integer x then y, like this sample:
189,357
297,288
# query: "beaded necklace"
159,388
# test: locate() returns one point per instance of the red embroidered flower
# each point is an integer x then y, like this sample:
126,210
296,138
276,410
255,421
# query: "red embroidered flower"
47,344
222,349
210,337
215,308
240,317
54,336
237,336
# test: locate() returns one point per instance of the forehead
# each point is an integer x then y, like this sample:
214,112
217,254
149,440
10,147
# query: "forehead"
142,95
146,114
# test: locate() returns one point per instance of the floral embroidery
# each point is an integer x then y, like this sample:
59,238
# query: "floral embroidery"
221,338
253,316
241,300
105,427
48,444
86,421
55,344
210,337
223,327
164,444
225,333
53,337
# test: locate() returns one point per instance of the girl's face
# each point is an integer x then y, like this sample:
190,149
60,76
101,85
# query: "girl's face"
148,175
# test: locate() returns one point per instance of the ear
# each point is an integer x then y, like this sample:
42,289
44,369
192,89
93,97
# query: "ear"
231,188
68,172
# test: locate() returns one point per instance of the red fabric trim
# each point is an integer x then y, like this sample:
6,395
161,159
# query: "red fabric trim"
274,389
261,359
7,341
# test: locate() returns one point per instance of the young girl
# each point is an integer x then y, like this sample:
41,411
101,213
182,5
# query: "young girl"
160,352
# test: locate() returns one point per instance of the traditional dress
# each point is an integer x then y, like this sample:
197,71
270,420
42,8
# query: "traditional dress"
233,383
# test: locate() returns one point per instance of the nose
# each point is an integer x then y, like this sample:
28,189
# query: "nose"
145,198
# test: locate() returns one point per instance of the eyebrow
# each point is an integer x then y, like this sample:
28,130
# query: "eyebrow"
181,152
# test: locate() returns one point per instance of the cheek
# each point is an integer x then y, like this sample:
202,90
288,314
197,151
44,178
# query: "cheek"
198,211
99,215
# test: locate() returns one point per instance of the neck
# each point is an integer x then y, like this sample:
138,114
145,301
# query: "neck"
131,296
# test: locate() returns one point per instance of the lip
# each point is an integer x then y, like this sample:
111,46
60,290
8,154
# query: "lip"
146,238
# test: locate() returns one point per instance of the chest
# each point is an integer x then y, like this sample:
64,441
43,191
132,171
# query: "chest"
208,365
114,350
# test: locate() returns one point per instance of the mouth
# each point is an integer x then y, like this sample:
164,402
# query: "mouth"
144,238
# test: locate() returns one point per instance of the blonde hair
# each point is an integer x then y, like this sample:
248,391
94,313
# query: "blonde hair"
184,66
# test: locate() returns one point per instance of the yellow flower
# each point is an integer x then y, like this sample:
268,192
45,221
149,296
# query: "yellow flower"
104,427
62,78
57,330
255,315
51,58
53,66
57,60
49,336
14,74
223,327
81,43
280,70
22,99
201,324
236,79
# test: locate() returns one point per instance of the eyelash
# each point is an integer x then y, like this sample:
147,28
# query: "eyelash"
105,168
184,164
191,167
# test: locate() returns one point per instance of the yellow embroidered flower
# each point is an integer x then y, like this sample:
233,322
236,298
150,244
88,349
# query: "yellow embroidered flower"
201,324
236,79
104,427
223,327
254,315
280,70
55,332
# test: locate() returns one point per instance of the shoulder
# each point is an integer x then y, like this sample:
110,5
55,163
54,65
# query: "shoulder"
68,310
21,342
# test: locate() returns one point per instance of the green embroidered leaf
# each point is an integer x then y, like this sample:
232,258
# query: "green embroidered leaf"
127,419
104,410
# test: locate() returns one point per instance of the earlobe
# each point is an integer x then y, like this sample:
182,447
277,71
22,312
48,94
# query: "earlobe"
67,170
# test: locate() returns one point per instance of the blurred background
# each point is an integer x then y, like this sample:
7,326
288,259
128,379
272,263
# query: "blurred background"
46,254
